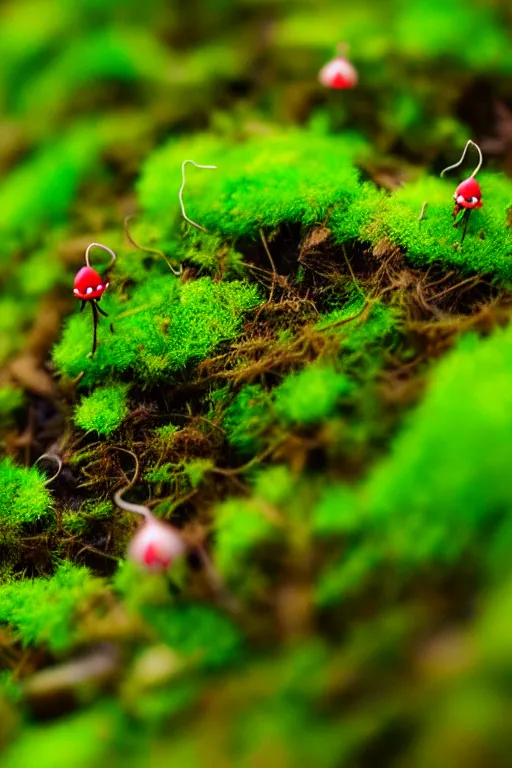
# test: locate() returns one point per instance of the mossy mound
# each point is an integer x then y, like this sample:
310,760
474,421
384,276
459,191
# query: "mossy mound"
160,328
313,392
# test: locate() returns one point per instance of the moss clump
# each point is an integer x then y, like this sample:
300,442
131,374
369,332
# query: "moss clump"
159,330
104,410
437,492
293,176
445,488
487,246
309,396
44,610
23,496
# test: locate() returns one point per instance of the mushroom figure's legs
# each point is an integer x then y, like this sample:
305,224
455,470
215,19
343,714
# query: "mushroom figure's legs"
466,222
100,310
95,320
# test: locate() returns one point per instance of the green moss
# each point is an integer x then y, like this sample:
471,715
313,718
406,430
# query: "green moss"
104,410
183,475
44,610
198,632
293,176
337,512
487,246
23,496
165,434
312,395
159,330
437,478
276,484
437,492
197,470
241,527
246,418
88,514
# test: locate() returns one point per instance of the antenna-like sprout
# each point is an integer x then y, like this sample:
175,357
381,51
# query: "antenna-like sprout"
180,193
156,544
50,457
127,506
104,248
144,249
456,165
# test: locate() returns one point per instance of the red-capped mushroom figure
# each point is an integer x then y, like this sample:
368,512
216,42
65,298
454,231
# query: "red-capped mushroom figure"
339,73
156,545
468,194
89,286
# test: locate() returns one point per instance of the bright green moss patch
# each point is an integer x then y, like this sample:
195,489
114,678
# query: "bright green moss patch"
309,396
159,330
294,176
44,610
445,483
104,410
487,247
23,496
446,476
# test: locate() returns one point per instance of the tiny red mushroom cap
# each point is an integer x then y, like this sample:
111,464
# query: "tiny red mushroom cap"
468,194
155,546
338,73
89,284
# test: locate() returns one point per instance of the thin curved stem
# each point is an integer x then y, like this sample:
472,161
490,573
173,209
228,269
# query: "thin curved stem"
456,165
51,457
154,251
127,506
180,193
103,248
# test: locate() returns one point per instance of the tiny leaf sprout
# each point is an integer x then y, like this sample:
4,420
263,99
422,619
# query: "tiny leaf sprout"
156,545
90,286
180,193
339,73
468,194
